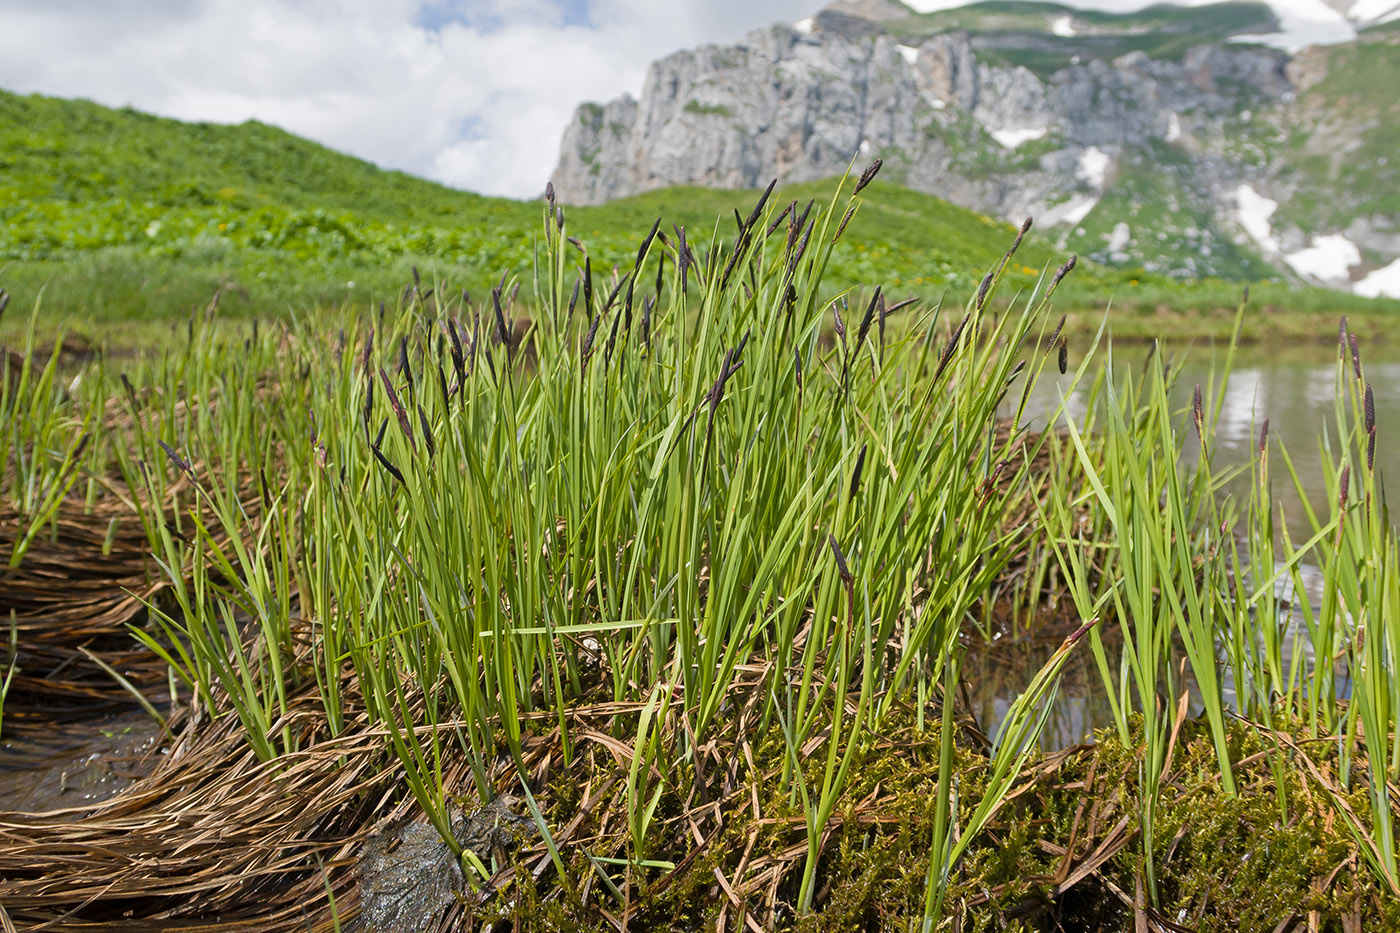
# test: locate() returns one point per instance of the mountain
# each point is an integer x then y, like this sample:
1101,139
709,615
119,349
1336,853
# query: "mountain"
1172,138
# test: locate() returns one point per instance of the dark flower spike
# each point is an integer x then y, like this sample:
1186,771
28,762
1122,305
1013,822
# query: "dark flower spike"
1020,235
682,254
801,249
881,314
427,429
855,473
867,176
612,339
549,191
1370,409
841,566
758,208
947,355
1264,437
1355,356
588,338
1371,451
502,332
1064,356
1063,271
782,215
646,242
383,460
743,342
983,289
587,286
442,387
841,227
660,274
1055,334
798,223
458,357
180,463
399,411
839,324
866,320
1198,414
404,369
369,399
573,300
617,289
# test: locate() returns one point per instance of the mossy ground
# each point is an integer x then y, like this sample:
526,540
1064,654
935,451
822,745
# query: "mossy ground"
1278,856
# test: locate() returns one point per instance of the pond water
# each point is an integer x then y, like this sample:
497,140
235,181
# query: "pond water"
1295,386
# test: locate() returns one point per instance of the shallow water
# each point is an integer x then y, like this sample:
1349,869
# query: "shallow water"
1295,386
76,764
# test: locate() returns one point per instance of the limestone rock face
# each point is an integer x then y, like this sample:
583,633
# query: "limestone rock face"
1058,123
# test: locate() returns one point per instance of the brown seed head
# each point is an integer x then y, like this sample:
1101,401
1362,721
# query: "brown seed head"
867,176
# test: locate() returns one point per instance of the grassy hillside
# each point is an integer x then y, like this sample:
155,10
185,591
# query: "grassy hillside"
116,215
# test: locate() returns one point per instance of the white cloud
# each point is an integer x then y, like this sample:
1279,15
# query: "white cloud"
474,93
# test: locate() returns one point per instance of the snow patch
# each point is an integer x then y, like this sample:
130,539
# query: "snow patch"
911,55
1328,258
1254,212
1373,11
804,26
1173,128
1383,283
1118,240
1010,139
1063,26
1069,212
937,103
1093,166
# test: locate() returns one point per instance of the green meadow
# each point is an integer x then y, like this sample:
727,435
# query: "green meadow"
120,217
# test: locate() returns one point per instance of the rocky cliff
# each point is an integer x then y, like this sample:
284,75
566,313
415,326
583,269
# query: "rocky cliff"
1155,139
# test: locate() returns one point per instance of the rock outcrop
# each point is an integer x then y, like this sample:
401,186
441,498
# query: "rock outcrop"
1153,156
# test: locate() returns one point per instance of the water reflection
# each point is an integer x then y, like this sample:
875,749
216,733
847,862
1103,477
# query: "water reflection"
1295,386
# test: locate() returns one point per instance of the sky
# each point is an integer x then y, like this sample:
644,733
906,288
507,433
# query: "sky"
471,93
